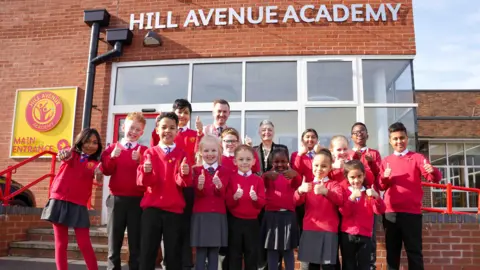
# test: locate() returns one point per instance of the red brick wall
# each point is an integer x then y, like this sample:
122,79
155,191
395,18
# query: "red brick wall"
46,44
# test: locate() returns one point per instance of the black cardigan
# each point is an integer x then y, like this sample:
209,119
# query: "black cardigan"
259,150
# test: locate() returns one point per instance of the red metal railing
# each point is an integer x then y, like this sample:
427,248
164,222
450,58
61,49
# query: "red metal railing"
449,188
6,196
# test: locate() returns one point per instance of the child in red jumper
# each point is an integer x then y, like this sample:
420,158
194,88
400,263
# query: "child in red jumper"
164,173
280,233
243,227
71,190
322,198
209,219
370,158
401,179
357,214
230,140
120,162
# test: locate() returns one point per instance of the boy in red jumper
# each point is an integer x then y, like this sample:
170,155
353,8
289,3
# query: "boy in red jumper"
371,159
164,173
230,139
245,199
120,162
401,179
357,213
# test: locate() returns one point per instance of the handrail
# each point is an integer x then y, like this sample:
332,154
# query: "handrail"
449,188
6,196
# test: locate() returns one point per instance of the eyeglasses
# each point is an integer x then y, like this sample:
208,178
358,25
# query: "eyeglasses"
230,141
359,132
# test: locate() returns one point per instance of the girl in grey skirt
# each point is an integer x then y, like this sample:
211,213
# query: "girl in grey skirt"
209,230
279,225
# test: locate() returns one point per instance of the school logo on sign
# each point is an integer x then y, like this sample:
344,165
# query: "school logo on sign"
44,111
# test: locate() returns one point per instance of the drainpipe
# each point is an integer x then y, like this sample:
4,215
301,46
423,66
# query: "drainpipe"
115,37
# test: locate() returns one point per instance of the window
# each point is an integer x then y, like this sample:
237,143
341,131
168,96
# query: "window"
378,120
217,81
286,123
329,122
387,81
151,85
271,81
330,81
450,159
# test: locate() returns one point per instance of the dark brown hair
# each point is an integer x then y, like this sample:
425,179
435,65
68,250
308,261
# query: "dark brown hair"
351,165
83,137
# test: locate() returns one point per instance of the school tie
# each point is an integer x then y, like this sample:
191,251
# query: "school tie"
83,157
310,154
181,129
211,170
245,175
219,130
167,150
128,145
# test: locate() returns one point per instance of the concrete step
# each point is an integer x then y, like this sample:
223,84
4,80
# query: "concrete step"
46,249
98,235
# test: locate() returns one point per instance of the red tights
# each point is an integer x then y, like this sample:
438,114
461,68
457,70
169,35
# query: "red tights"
83,240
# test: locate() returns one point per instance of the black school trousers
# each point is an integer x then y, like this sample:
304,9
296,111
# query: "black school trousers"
356,250
243,238
155,224
403,228
124,212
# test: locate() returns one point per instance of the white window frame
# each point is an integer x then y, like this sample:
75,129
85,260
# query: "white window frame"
448,167
300,105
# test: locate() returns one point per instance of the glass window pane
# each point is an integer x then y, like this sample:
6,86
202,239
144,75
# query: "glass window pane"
217,81
438,154
459,199
271,81
387,81
439,199
473,199
379,119
286,123
234,120
473,154
151,85
330,81
474,178
145,139
455,154
457,177
320,119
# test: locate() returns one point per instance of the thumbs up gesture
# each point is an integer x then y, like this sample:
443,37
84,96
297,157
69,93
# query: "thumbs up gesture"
248,140
201,180
64,154
305,187
356,193
427,166
184,167
147,166
372,193
199,125
253,194
368,156
387,172
136,154
239,193
320,189
116,151
303,149
216,181
339,163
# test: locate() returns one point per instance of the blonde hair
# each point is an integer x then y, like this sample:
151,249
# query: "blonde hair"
201,145
336,138
136,116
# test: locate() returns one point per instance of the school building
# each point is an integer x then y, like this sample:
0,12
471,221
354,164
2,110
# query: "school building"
301,64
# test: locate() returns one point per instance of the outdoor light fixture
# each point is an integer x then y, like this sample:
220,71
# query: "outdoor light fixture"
152,39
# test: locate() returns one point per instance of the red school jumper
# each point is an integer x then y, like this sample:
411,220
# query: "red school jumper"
321,212
187,140
280,193
357,215
303,165
228,163
403,189
165,182
210,199
123,171
245,207
74,180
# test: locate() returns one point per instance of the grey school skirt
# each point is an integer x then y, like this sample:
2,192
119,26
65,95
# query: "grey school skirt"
66,213
318,247
279,230
209,230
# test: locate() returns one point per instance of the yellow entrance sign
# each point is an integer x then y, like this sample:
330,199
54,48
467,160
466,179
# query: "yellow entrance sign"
43,120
